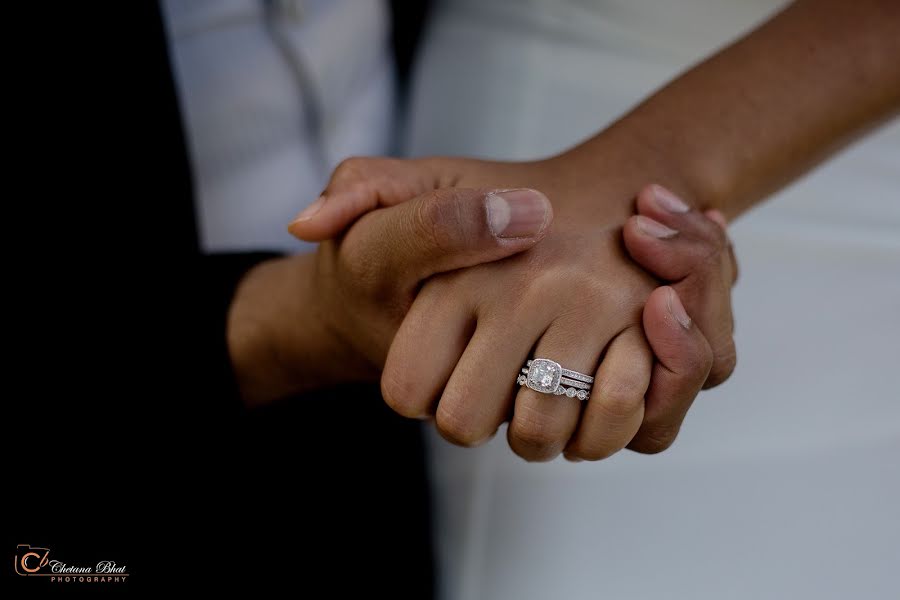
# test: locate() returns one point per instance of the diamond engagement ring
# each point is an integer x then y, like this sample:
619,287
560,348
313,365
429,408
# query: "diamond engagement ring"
548,377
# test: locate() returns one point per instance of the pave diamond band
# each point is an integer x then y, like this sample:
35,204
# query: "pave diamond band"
575,383
548,377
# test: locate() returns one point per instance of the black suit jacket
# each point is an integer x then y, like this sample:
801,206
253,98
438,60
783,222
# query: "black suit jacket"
123,435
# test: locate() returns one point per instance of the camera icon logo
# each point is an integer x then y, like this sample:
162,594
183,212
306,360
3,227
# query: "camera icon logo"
30,559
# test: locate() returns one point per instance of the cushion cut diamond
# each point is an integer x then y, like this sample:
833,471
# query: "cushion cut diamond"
543,375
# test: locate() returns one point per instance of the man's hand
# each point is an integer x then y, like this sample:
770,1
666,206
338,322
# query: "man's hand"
691,253
307,321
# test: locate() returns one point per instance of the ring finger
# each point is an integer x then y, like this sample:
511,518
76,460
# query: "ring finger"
543,423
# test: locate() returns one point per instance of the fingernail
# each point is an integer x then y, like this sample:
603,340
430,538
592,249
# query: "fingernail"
717,217
517,213
669,201
654,228
572,458
307,213
676,309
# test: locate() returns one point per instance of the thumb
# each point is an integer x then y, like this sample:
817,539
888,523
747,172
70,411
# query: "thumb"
444,230
683,360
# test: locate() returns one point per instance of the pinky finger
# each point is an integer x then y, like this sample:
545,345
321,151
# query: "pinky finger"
615,410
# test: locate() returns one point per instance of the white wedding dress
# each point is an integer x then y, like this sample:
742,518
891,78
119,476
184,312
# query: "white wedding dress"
785,481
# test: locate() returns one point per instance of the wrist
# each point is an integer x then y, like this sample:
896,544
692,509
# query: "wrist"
609,170
277,340
254,341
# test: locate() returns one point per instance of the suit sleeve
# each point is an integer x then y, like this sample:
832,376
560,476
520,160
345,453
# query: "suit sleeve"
219,277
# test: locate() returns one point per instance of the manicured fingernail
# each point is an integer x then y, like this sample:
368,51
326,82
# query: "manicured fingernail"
307,213
654,228
669,201
517,213
676,309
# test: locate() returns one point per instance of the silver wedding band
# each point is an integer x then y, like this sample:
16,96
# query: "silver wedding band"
549,377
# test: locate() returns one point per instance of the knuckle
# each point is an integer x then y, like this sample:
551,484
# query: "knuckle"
350,169
398,393
593,451
622,395
655,439
535,437
458,427
438,218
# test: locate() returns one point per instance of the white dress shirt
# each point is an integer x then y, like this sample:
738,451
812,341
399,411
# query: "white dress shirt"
274,95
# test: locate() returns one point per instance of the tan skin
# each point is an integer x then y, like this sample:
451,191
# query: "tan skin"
723,135
313,320
343,305
491,318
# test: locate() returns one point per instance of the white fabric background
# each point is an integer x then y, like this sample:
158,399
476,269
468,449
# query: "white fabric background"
785,481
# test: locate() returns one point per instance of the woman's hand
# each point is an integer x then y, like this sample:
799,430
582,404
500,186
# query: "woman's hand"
575,298
312,320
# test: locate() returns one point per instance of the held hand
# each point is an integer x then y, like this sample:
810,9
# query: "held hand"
312,320
442,322
368,279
